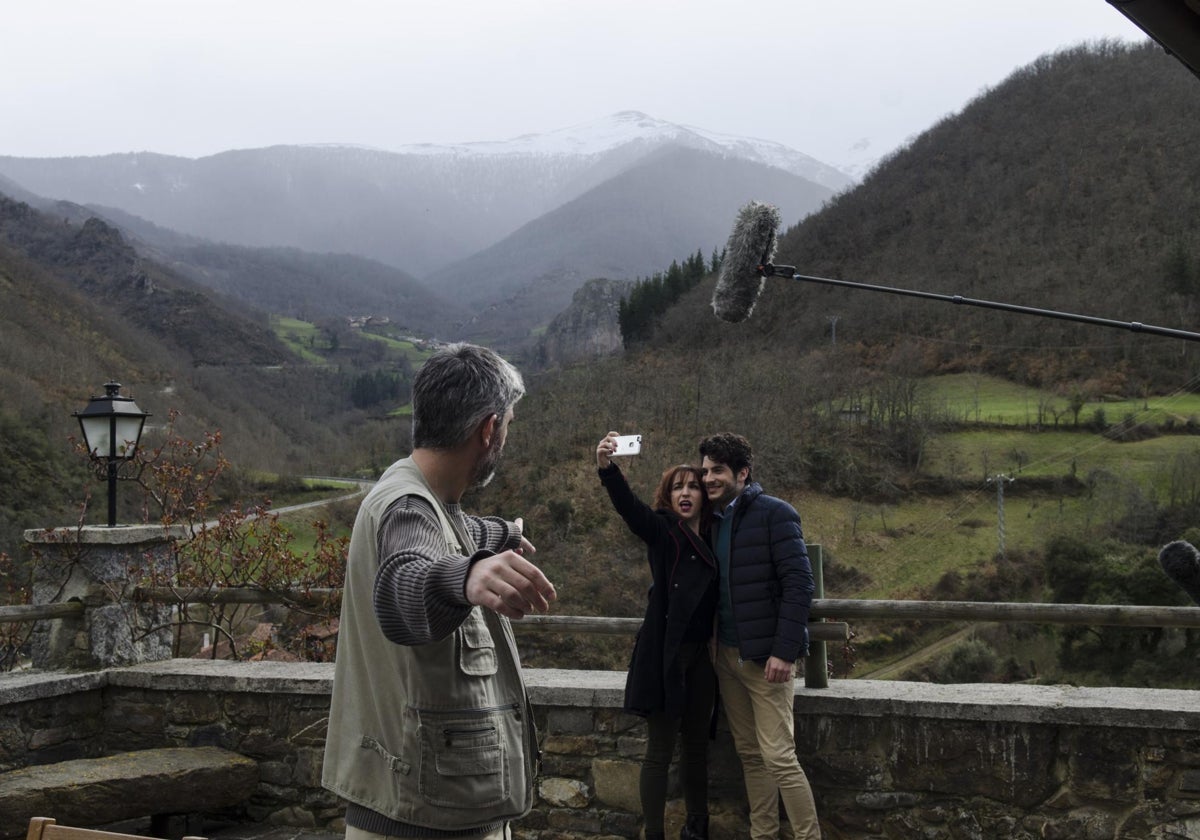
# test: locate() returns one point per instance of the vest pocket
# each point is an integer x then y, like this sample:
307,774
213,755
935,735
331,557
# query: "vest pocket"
464,760
476,648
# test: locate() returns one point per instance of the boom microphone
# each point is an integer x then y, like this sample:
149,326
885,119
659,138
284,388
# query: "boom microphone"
751,246
748,262
1181,562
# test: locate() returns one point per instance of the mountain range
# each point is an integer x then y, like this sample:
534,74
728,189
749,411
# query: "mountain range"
1070,186
499,235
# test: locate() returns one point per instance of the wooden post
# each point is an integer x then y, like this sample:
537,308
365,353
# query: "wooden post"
816,666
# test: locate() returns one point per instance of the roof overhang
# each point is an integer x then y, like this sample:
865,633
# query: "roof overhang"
1174,24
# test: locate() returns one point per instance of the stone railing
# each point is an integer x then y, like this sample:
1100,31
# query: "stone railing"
886,759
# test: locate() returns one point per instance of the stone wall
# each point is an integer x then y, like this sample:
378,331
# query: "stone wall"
886,759
91,564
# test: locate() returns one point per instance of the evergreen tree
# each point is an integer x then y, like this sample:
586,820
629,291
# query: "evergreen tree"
717,260
651,297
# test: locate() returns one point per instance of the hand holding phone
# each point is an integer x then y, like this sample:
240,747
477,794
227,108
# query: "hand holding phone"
613,444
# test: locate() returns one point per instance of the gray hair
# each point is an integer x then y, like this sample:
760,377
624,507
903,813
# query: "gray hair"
458,388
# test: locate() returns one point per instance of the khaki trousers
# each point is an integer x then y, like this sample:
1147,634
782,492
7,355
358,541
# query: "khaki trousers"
764,734
353,833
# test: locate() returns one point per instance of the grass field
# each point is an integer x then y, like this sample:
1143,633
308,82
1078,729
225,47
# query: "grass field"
973,398
303,338
898,551
986,453
299,336
979,451
902,547
406,348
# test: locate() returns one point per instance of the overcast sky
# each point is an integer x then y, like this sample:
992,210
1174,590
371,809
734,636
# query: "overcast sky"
196,77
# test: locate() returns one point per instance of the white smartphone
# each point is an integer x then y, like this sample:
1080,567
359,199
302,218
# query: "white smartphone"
628,444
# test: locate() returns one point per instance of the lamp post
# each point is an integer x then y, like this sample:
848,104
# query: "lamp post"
112,427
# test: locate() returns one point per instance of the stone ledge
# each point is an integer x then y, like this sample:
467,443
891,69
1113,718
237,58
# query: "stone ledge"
1172,709
23,686
101,535
1007,703
583,689
227,676
98,791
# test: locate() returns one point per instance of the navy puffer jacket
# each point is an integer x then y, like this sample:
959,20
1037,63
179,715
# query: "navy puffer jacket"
770,578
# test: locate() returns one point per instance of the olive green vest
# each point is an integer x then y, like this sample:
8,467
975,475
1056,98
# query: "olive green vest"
439,735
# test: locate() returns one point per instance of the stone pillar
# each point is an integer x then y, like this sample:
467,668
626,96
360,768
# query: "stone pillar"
98,567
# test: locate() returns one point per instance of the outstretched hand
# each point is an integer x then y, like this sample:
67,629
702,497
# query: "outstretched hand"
510,585
606,447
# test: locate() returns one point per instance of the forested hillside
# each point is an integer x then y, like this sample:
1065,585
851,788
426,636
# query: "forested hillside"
79,307
1073,185
288,281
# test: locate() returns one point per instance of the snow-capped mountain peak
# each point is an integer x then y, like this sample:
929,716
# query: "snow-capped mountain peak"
626,127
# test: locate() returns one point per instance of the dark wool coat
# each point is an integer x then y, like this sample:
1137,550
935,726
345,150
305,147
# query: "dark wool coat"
770,578
682,568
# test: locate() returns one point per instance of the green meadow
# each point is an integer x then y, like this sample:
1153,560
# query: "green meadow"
974,398
308,341
899,548
402,347
301,337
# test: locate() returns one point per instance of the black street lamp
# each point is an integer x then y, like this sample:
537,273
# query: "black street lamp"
112,427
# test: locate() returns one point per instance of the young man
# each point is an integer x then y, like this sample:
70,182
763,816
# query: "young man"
762,632
430,730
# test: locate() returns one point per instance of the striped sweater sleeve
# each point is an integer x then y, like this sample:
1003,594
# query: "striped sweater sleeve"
420,588
493,533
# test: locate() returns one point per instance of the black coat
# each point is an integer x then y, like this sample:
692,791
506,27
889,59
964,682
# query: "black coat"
682,568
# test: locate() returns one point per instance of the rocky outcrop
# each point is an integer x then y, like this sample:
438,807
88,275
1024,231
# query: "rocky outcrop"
587,329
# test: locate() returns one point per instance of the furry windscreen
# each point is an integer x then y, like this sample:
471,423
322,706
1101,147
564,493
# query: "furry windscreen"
751,244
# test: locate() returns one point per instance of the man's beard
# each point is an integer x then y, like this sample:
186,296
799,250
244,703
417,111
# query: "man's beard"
485,470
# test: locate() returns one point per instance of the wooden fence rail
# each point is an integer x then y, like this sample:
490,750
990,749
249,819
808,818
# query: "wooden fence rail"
238,595
829,615
39,612
841,609
818,631
1095,615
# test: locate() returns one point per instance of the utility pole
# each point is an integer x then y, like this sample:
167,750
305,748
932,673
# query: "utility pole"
833,319
1000,480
